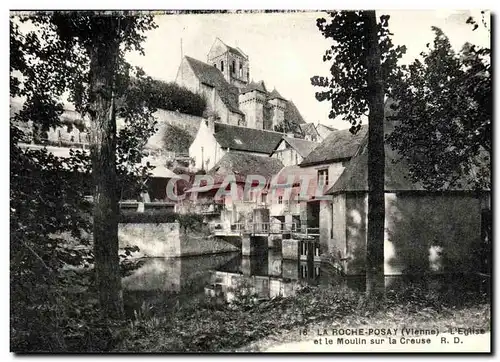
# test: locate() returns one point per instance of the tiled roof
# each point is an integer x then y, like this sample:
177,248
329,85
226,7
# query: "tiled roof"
243,164
236,51
328,127
292,114
355,176
397,176
160,169
309,129
246,139
293,119
303,147
260,86
212,76
275,94
339,145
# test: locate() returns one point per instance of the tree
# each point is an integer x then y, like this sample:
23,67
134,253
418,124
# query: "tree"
363,67
81,54
444,113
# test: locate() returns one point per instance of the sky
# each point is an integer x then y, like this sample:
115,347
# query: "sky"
285,49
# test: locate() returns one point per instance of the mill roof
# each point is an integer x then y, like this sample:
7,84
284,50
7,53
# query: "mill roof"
327,127
339,145
397,176
243,164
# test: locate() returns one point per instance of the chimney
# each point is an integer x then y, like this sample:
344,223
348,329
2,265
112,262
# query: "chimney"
211,123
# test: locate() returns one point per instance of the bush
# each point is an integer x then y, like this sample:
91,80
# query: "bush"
188,222
148,217
172,97
177,139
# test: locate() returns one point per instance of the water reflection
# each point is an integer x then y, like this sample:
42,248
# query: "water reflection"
267,275
184,274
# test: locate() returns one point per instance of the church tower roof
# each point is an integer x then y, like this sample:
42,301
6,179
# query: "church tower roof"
259,86
275,94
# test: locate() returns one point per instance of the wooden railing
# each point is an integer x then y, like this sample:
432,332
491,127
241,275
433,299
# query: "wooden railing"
265,228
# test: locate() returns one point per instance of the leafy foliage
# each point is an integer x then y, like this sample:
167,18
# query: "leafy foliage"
148,217
215,326
177,139
347,88
443,113
190,221
172,97
51,251
363,69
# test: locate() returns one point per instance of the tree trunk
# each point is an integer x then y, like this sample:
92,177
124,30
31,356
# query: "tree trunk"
375,281
103,60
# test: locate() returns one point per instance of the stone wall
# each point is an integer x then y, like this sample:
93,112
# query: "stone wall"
186,77
167,240
325,225
253,245
195,243
425,233
338,240
153,240
205,148
290,249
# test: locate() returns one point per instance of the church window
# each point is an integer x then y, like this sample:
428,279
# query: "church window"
233,68
241,70
222,66
215,65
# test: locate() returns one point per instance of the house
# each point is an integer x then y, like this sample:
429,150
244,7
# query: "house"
328,160
324,131
232,97
284,196
232,171
73,134
310,132
427,232
215,139
316,132
292,151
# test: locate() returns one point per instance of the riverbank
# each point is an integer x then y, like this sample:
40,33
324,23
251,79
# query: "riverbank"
465,330
249,326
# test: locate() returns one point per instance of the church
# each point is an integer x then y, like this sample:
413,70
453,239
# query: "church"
232,97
